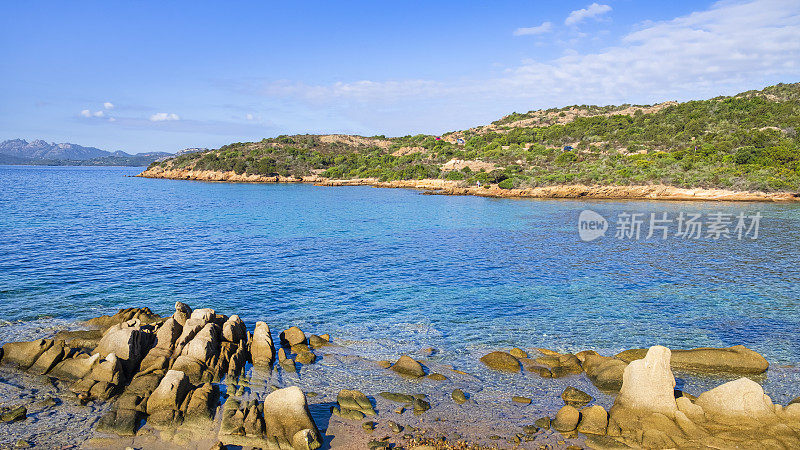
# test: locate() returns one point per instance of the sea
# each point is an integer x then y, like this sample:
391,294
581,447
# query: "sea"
392,271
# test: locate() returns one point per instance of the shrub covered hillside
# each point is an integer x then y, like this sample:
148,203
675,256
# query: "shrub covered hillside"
746,142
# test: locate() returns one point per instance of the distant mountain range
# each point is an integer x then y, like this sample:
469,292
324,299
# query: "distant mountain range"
39,152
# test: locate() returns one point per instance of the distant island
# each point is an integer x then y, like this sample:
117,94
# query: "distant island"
39,152
723,146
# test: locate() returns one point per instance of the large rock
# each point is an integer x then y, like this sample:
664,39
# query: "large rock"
182,313
123,422
75,368
737,402
262,350
129,342
80,338
170,393
559,365
143,315
52,356
737,359
24,354
204,314
109,370
594,420
286,416
408,367
293,336
167,334
191,327
234,330
201,407
501,361
604,372
566,419
648,384
194,368
204,345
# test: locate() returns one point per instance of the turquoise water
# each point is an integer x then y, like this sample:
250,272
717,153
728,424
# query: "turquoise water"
389,266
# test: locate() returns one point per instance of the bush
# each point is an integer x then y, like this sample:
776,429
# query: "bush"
508,183
566,158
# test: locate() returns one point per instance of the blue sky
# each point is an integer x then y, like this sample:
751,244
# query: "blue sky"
162,76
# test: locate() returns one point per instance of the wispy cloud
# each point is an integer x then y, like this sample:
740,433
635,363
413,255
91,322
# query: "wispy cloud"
593,10
731,46
545,27
161,117
108,105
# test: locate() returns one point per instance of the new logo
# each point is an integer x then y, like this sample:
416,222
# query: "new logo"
591,225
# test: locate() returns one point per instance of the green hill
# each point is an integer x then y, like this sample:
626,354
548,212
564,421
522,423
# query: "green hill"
745,142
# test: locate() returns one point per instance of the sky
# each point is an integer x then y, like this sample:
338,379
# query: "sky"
162,76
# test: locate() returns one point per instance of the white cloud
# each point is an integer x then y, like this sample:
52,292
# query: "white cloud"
98,114
545,27
161,117
86,113
728,48
108,105
249,117
111,119
579,15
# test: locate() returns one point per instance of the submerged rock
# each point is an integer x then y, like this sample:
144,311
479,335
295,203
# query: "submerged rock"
518,353
397,397
501,361
521,400
354,401
318,341
575,397
459,397
14,414
408,367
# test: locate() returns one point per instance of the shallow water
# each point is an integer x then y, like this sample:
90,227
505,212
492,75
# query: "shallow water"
391,269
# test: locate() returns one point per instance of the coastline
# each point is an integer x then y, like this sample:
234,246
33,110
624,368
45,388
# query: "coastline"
343,398
448,187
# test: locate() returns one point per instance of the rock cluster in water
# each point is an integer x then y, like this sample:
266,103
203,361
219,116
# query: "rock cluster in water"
650,413
164,370
606,372
167,371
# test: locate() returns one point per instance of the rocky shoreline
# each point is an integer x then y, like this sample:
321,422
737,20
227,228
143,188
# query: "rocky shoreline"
201,379
448,187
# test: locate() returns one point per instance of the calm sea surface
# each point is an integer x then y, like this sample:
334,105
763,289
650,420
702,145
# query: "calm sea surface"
391,266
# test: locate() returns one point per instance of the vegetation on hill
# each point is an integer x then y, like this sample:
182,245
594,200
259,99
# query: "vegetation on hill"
746,142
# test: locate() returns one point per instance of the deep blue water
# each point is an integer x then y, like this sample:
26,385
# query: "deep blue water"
391,264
